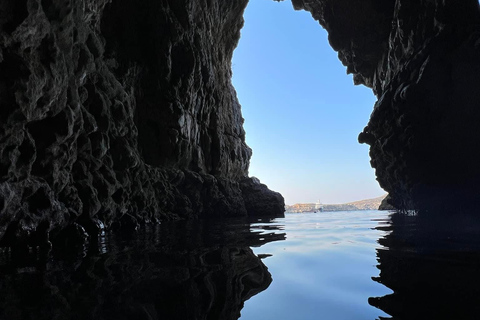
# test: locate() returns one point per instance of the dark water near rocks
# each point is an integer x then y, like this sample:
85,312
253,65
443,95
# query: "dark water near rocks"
341,265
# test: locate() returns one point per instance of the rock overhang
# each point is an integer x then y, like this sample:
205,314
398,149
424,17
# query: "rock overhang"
124,109
421,61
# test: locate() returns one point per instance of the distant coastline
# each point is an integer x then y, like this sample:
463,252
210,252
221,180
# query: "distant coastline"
368,204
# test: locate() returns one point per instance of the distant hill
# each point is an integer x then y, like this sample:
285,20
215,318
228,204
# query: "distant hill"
368,204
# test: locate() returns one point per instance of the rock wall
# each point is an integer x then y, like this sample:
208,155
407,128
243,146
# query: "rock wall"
120,112
123,112
422,60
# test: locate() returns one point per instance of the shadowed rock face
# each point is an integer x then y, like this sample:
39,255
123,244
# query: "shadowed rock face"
120,111
124,111
421,58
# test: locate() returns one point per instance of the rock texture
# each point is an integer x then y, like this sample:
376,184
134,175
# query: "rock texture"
385,204
120,111
422,60
123,111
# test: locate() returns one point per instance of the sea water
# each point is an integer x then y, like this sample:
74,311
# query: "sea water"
326,265
323,269
345,265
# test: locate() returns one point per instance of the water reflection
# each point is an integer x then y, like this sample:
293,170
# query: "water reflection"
186,270
433,266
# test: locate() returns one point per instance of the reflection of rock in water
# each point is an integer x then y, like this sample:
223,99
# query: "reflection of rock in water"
433,267
190,271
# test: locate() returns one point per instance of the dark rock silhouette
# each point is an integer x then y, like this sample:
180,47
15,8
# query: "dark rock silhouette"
431,264
385,204
186,271
421,58
120,112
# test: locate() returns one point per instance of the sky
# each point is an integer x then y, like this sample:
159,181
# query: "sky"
302,112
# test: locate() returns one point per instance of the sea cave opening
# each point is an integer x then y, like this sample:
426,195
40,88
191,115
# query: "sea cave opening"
302,112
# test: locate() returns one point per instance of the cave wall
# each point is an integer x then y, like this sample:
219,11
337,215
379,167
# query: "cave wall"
124,112
421,59
120,112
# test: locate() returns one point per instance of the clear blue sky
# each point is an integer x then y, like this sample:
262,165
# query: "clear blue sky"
302,112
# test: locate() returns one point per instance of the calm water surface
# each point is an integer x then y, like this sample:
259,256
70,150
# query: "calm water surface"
324,268
339,265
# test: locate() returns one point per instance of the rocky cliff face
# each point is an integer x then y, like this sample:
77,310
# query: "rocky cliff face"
120,112
123,111
421,58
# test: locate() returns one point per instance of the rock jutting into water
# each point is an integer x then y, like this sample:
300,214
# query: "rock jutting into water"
120,112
